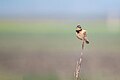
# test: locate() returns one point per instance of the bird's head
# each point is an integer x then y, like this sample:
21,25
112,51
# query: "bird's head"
78,28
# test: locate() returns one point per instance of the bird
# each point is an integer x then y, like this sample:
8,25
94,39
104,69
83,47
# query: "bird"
81,34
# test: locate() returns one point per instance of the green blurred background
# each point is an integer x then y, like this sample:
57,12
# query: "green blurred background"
38,42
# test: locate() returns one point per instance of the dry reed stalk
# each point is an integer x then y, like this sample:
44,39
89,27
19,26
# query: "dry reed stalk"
78,65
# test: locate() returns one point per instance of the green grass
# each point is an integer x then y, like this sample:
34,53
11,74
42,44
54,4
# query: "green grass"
53,37
52,33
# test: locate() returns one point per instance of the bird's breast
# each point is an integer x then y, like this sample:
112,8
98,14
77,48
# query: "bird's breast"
80,36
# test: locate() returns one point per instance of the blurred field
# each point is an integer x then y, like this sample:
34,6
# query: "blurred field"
49,49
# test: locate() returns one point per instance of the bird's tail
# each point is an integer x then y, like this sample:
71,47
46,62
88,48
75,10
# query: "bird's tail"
87,42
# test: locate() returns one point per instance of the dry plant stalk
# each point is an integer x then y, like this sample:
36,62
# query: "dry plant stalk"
78,65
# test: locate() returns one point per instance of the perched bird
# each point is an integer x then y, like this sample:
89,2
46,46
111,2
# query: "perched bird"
81,34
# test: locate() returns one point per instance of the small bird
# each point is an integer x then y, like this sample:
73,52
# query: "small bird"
81,34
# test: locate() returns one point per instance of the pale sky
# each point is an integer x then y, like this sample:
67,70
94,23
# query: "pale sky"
57,7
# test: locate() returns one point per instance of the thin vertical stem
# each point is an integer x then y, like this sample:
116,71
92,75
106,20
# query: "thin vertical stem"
78,65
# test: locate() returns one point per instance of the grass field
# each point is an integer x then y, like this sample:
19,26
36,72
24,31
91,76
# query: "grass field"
48,50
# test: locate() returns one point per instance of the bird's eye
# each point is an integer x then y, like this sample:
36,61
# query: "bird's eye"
78,26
